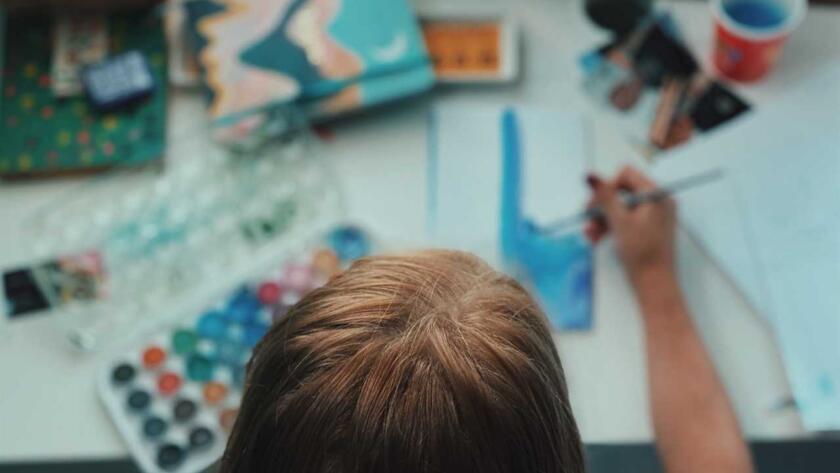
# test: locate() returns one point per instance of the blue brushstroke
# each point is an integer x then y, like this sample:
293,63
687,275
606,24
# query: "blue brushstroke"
511,190
558,269
432,170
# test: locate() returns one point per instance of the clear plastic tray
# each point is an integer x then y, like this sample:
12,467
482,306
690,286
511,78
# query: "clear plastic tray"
163,239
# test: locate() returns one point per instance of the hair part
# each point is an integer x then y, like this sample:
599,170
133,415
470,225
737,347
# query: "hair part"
429,362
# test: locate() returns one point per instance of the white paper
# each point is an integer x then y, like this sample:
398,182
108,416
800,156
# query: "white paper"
466,172
773,224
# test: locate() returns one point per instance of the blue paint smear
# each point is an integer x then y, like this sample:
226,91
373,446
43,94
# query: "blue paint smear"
511,192
558,269
591,62
432,170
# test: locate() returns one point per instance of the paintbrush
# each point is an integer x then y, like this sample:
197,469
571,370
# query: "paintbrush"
632,200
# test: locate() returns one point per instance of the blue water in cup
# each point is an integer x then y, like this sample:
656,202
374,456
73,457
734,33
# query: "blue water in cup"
755,13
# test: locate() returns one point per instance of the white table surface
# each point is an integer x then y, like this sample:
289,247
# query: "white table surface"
48,405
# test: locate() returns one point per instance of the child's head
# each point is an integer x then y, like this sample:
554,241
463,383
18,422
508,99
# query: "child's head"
430,362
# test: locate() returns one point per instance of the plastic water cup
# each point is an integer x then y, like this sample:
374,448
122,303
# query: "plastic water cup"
750,35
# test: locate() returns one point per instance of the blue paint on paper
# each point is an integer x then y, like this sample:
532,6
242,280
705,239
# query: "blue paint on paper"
558,269
432,170
511,220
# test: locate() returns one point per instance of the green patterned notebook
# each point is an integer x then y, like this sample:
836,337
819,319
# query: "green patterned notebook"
44,135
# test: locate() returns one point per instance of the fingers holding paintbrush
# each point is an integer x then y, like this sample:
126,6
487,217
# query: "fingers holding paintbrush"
640,215
595,228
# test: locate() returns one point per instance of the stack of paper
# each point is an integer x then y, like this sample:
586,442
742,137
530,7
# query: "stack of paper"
773,224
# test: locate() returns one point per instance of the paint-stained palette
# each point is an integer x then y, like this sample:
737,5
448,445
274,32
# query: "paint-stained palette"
174,394
465,50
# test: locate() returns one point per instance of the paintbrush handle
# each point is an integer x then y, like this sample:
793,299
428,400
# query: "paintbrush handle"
634,200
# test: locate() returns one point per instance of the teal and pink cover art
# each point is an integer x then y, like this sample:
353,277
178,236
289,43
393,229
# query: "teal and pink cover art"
328,56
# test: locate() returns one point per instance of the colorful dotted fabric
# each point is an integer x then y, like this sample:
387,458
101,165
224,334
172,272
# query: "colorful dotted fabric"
41,134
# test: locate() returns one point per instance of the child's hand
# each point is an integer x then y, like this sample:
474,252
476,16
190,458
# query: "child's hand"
644,235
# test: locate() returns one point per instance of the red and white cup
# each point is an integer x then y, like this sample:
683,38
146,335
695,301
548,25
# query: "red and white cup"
746,53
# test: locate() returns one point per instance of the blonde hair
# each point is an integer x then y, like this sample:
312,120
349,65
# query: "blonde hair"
429,362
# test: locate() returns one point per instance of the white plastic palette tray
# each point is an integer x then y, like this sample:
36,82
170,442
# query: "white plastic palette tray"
174,393
202,224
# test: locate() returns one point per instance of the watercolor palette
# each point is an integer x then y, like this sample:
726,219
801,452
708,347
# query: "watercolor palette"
174,394
471,49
